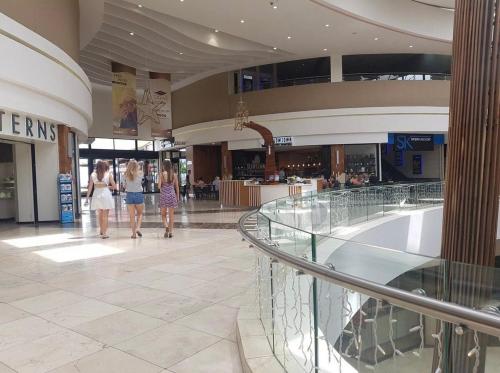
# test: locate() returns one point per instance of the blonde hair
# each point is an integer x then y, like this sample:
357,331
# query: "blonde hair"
132,170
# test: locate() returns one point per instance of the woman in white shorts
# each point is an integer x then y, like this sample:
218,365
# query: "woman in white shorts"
102,200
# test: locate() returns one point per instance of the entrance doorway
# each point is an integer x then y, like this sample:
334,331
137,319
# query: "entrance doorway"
7,182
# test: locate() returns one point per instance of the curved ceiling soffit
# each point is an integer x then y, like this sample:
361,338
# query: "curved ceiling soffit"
404,16
444,4
165,44
91,19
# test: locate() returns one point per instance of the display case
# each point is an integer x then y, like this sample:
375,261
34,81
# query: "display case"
65,183
7,198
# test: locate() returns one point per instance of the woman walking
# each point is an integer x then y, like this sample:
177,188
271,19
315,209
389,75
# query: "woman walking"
135,198
102,199
169,196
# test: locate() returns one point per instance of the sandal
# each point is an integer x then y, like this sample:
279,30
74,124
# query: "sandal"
139,233
170,235
133,237
104,236
165,235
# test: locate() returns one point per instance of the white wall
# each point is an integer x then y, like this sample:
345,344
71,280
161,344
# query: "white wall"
24,182
324,127
39,79
47,169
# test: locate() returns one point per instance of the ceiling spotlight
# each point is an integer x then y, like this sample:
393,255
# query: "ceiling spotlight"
242,21
411,46
216,30
131,33
274,48
327,25
325,49
182,1
181,53
139,5
289,37
375,39
274,4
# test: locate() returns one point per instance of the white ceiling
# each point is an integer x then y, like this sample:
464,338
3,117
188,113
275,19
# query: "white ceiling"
178,36
447,4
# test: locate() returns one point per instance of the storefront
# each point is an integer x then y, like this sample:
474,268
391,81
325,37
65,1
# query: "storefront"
409,157
117,152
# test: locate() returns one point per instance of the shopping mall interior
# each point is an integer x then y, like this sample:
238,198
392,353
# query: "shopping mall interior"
234,186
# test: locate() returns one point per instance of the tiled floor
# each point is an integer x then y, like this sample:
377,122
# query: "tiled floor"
72,302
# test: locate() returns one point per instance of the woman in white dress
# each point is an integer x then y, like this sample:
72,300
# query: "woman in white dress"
102,200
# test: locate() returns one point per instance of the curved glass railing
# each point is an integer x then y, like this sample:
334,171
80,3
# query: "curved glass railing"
333,305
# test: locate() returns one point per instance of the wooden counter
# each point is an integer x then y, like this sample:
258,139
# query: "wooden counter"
241,193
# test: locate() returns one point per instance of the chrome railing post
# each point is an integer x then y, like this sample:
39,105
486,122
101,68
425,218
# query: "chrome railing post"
315,306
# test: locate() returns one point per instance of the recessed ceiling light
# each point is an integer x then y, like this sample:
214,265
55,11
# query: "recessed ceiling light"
325,49
327,25
182,1
181,53
275,7
289,37
411,46
242,21
139,5
216,30
375,39
274,48
131,33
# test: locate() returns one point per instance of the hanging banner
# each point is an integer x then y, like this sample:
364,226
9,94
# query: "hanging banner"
155,107
124,100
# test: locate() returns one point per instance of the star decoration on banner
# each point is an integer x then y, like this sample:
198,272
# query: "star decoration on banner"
148,109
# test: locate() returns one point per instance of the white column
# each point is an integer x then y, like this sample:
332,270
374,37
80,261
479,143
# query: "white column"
336,68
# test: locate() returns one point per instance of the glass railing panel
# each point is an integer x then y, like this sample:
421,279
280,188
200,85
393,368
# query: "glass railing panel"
291,241
357,206
264,295
320,214
285,210
294,339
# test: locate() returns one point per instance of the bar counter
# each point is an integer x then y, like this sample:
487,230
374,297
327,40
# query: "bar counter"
244,193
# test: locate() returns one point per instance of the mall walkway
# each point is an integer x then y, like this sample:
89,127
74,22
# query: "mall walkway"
72,302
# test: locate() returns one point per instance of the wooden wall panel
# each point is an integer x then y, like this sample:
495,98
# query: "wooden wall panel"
473,169
63,142
338,159
227,160
207,162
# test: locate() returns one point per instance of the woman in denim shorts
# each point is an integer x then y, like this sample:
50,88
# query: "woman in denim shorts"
135,198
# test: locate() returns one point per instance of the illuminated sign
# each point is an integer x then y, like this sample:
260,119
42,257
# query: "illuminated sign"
27,127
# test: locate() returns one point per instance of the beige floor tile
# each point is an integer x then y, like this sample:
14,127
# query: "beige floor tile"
221,357
9,313
177,267
175,282
48,301
50,352
118,327
142,276
216,320
213,292
210,272
100,287
168,345
5,369
172,306
108,360
133,296
27,290
78,313
22,331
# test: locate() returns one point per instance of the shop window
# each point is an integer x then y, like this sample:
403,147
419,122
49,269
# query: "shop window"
145,145
102,144
124,144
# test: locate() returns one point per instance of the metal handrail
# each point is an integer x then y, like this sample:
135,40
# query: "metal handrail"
450,312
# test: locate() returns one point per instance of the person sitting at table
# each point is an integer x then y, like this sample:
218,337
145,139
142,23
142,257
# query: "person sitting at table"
356,180
200,183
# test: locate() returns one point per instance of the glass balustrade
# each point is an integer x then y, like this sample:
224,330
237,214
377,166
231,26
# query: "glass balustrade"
329,304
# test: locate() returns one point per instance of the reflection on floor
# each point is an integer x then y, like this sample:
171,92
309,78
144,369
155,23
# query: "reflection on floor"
72,302
190,214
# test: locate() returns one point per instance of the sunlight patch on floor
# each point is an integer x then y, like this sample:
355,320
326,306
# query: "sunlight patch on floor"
80,252
45,240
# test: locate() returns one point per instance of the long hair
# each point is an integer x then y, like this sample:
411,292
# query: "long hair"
132,170
167,167
101,168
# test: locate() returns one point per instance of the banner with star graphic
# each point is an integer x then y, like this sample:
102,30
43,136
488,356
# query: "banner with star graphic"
124,100
155,108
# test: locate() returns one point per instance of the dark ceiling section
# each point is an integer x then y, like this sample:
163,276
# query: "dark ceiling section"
396,63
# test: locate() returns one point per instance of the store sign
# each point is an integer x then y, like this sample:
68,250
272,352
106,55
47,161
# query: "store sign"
283,140
27,127
414,142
